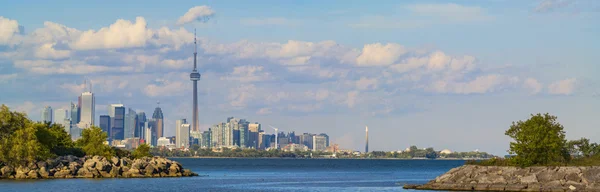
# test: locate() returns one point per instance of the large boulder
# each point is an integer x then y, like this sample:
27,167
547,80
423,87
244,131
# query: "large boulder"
7,171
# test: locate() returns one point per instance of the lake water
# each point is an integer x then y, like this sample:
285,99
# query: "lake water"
263,175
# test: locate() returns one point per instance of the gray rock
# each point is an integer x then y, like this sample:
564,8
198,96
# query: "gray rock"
529,179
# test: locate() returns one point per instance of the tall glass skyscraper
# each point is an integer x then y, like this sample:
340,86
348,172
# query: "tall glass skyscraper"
140,127
118,124
74,113
182,134
105,124
47,114
130,124
158,124
88,109
61,116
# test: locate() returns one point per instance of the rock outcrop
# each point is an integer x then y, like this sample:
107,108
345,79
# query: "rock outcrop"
495,178
96,167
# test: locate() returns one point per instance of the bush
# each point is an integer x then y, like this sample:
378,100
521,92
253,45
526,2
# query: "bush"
141,151
92,142
491,162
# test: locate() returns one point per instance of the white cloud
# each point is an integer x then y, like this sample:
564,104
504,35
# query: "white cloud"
241,95
197,13
47,67
264,111
47,51
247,74
481,84
73,87
380,55
304,107
351,98
533,85
178,63
166,88
319,95
265,21
7,77
563,87
8,30
121,34
366,83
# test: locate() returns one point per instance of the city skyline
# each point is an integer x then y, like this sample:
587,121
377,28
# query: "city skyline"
450,74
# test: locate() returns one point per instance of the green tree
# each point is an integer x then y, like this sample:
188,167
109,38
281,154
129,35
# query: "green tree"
539,140
92,142
581,147
141,151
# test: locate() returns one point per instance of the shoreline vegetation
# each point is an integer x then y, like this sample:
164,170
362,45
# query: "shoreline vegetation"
540,159
33,150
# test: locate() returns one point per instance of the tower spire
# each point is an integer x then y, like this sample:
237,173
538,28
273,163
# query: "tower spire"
195,49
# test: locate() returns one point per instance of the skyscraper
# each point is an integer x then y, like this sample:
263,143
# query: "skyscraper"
182,133
130,124
105,124
88,109
118,123
194,77
319,143
141,120
47,114
74,113
158,124
61,116
366,139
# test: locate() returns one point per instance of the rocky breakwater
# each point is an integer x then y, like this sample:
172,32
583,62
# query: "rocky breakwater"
96,167
494,178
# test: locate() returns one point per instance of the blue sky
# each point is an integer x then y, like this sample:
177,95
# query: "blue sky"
443,74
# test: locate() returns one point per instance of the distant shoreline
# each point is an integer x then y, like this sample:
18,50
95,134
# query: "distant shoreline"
438,159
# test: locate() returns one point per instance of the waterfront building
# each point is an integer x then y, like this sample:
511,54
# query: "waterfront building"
47,114
118,123
294,147
159,122
205,141
163,142
105,124
319,143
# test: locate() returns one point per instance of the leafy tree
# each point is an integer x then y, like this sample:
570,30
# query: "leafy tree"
24,147
141,151
430,153
56,140
92,142
539,140
581,147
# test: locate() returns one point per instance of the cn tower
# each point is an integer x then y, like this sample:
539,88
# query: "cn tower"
195,76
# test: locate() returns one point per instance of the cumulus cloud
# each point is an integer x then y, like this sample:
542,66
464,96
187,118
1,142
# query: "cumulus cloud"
380,55
264,111
481,84
121,34
241,95
366,83
533,85
165,88
198,13
563,87
247,74
8,30
351,98
47,67
318,95
47,51
7,77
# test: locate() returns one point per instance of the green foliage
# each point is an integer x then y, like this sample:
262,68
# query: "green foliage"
121,152
142,151
92,142
539,140
582,148
491,162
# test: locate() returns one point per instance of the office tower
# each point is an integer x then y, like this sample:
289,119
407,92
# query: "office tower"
182,133
61,116
152,126
292,137
206,139
307,140
88,109
366,139
130,124
228,133
260,141
74,113
253,137
216,135
326,139
148,134
141,120
47,114
243,131
158,125
118,123
105,124
319,143
194,77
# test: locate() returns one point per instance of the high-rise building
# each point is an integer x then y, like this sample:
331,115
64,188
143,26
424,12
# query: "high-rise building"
326,139
319,143
163,142
47,114
88,109
105,124
61,116
253,137
260,140
159,122
141,120
366,139
243,127
182,133
130,124
118,123
151,124
195,77
148,134
74,113
205,142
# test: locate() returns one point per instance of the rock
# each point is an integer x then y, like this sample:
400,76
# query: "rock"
44,173
529,179
33,174
21,172
7,171
63,174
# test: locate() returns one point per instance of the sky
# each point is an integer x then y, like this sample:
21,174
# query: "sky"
443,74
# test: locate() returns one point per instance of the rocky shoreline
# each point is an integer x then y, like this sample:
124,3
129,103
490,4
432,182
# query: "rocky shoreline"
96,167
495,178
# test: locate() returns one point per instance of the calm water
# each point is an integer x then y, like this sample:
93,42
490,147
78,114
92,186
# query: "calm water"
263,175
